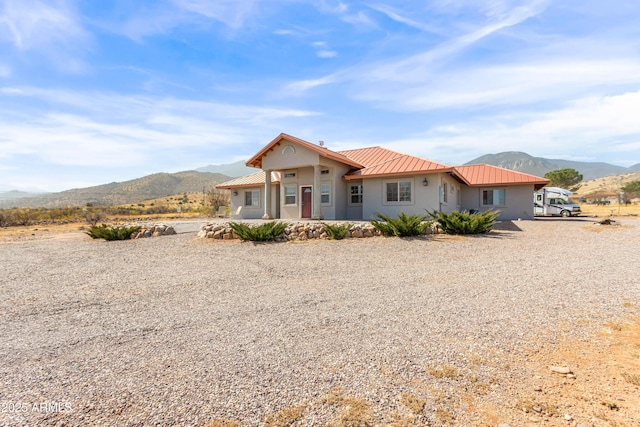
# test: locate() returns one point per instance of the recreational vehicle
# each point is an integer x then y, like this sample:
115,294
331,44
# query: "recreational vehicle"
554,201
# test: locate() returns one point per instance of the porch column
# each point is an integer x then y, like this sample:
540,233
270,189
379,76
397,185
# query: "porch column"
267,195
317,208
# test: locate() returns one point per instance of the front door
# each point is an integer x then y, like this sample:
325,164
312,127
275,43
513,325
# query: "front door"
306,202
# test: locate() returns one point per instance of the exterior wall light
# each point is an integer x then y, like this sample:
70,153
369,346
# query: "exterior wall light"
425,182
235,192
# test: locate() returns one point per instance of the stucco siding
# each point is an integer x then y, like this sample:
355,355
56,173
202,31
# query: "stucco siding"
518,201
279,160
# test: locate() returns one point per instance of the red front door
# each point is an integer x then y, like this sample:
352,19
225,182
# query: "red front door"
306,202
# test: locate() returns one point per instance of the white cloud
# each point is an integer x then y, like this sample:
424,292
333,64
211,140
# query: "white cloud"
596,125
138,129
394,15
52,29
31,24
327,54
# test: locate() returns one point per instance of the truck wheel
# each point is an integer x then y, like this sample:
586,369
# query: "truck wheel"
565,213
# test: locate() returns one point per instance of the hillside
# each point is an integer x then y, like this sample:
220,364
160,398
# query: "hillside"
120,193
233,170
16,194
523,162
607,184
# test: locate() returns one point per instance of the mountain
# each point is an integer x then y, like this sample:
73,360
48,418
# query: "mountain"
233,170
523,162
635,168
127,192
16,194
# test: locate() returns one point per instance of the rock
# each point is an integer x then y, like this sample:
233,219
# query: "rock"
169,231
537,409
560,370
568,417
537,388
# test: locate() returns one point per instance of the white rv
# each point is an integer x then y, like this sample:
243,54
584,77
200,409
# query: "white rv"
554,201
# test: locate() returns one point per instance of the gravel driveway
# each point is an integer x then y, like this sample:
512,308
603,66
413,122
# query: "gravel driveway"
177,330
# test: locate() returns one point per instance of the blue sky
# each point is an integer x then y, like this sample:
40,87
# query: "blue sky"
99,91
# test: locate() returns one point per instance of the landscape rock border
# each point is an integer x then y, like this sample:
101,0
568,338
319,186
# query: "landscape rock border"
296,231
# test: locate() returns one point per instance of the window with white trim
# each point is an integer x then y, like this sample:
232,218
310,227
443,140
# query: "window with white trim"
325,194
289,174
355,194
493,197
290,192
445,196
252,198
398,192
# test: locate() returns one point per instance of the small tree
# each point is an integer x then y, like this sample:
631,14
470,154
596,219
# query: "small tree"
631,190
25,216
5,218
217,198
568,178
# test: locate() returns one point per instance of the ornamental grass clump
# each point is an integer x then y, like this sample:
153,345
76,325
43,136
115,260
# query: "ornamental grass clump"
261,233
112,233
402,226
337,232
465,222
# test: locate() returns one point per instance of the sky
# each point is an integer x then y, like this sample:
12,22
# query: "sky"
93,92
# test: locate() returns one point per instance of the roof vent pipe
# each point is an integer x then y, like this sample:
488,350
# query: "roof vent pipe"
321,143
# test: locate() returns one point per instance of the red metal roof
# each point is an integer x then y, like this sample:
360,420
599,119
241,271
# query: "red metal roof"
256,161
382,162
379,162
484,175
254,180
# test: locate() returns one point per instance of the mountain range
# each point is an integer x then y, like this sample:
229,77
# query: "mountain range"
165,184
121,193
539,166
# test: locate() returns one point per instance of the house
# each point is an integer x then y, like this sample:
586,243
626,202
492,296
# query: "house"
302,180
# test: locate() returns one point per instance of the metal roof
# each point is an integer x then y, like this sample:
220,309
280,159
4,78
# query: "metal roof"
254,180
382,162
256,160
485,175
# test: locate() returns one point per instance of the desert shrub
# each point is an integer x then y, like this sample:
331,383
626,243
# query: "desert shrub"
465,222
5,218
112,233
337,232
93,216
25,216
261,233
402,226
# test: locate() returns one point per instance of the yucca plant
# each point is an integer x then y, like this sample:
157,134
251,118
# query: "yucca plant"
112,233
402,226
261,233
337,232
465,222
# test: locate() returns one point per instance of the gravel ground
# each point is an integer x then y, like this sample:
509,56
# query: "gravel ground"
177,330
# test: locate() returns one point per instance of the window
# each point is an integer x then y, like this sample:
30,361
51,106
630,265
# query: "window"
398,192
356,194
324,172
493,197
445,196
288,150
252,198
290,195
325,194
290,174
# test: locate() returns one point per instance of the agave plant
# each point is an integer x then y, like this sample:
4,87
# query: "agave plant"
465,222
337,232
402,226
261,233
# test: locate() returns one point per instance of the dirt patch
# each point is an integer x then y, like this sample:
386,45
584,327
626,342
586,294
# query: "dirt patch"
70,231
598,386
